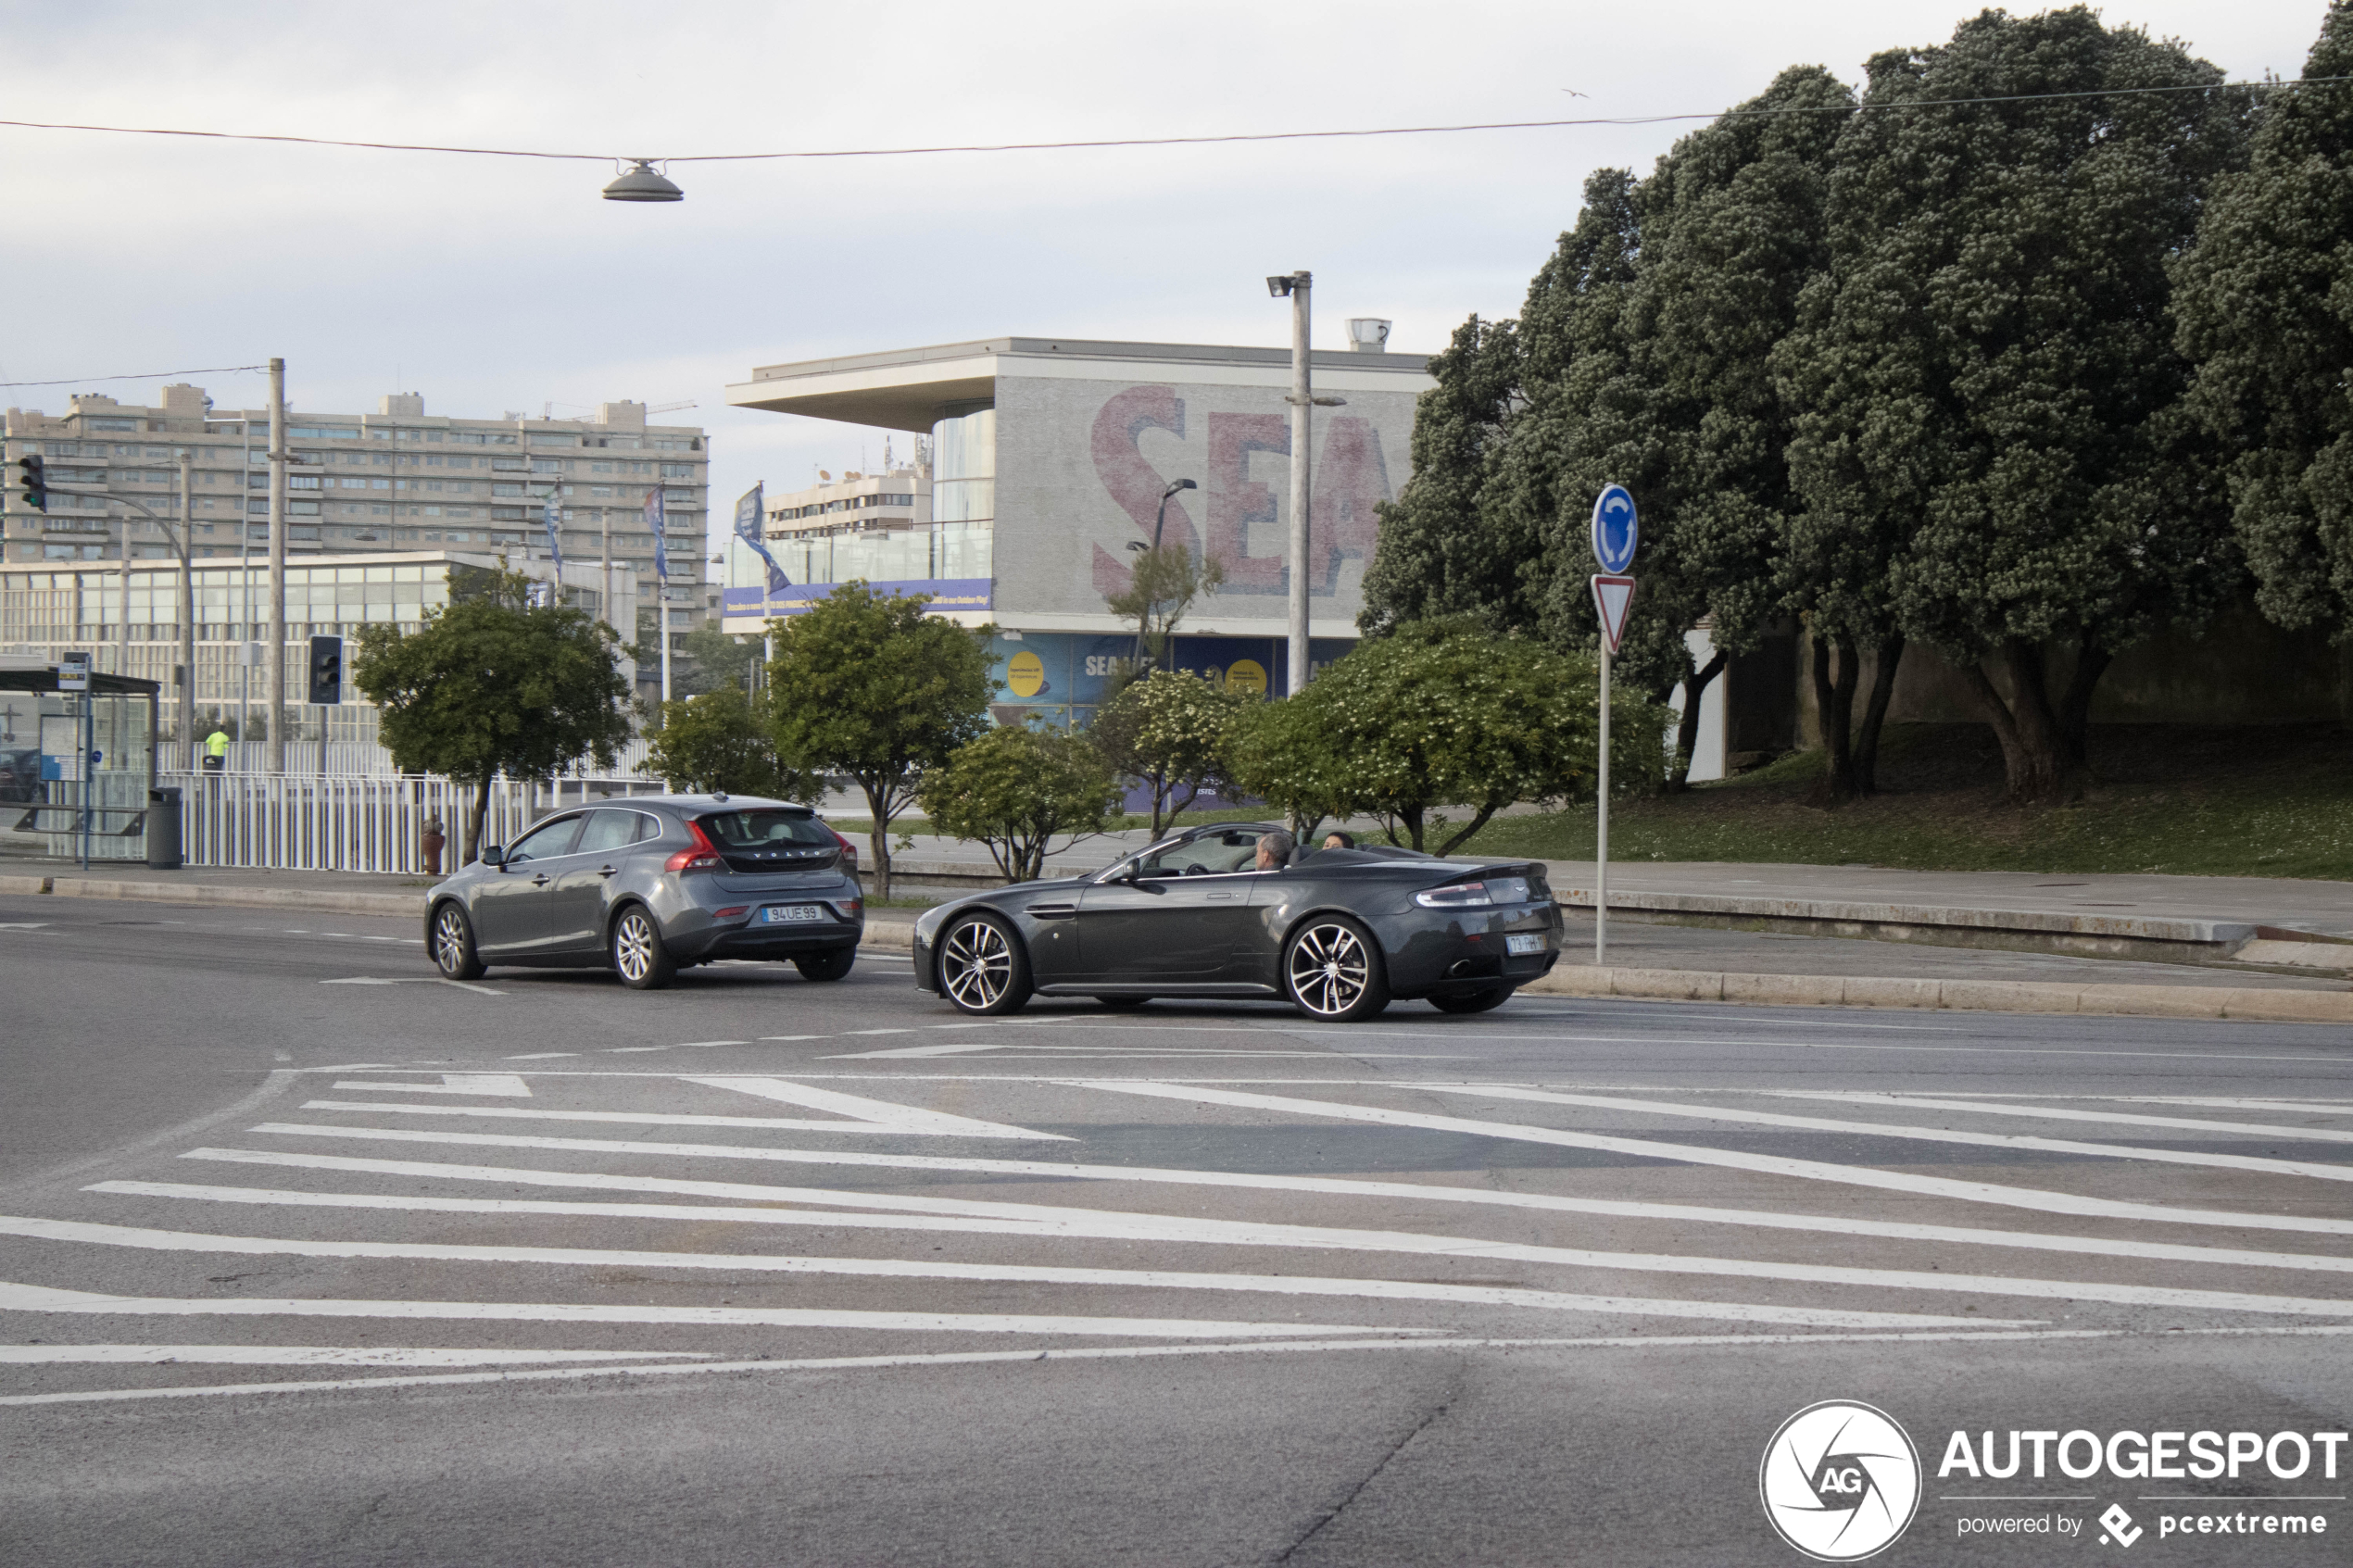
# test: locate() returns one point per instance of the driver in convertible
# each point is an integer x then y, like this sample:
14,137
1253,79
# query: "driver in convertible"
1274,851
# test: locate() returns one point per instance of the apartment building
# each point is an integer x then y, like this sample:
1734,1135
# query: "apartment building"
396,481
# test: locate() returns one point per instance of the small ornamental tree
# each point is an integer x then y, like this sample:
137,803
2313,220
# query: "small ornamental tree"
1014,789
1164,581
493,684
722,742
1445,713
1168,731
867,686
1283,753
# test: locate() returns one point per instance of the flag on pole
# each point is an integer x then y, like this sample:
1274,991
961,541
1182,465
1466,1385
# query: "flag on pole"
659,526
748,529
554,517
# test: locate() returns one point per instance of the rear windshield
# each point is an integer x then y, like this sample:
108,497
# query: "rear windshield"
766,830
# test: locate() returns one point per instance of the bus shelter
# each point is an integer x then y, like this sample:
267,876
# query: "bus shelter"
76,767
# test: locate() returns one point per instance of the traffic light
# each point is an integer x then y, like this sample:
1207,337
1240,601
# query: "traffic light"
326,671
34,476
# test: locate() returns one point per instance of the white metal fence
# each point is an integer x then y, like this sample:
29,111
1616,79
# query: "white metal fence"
359,760
355,823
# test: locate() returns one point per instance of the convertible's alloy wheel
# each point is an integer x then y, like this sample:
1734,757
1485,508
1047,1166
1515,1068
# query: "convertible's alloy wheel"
453,945
980,971
1331,972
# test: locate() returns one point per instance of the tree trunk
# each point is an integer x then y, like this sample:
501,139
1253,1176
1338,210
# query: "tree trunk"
1412,817
1687,729
1834,707
473,824
1457,840
2075,708
878,802
2033,758
1891,654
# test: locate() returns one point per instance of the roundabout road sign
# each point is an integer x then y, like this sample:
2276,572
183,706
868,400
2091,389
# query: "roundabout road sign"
1614,532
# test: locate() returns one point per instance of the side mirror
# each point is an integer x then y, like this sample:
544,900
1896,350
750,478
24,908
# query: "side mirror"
493,855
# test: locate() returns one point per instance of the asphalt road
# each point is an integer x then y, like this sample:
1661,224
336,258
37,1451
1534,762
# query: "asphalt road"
310,1258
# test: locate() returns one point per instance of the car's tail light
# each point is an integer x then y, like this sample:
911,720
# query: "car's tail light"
848,908
1475,894
699,855
849,850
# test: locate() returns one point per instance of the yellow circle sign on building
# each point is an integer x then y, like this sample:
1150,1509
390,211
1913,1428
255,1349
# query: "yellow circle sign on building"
1246,676
1025,673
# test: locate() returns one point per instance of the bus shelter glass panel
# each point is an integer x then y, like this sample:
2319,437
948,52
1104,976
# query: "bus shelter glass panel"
74,772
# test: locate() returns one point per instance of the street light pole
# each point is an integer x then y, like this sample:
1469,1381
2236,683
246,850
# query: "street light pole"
1160,520
277,652
188,604
1303,416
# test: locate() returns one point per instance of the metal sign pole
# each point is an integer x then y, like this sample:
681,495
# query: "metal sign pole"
1600,841
89,771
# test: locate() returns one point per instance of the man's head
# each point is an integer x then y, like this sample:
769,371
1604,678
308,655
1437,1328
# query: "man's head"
1274,850
1339,840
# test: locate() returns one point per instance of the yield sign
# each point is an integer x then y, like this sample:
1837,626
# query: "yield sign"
1613,596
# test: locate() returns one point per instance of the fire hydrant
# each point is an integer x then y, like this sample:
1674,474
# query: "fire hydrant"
431,842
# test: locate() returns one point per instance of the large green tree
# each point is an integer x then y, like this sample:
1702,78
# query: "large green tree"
1989,444
491,685
1017,789
868,687
1732,230
2265,305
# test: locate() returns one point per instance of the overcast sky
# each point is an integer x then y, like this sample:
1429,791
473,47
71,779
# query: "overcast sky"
495,284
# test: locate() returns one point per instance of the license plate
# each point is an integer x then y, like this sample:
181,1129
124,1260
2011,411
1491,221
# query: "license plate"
792,914
1514,945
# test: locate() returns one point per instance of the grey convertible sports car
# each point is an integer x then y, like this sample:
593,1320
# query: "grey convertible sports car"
1338,933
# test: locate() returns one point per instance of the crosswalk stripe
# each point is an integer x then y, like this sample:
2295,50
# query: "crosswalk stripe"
2313,1169
44,1299
1831,1225
310,1355
1767,1164
681,1119
2116,1118
1163,1279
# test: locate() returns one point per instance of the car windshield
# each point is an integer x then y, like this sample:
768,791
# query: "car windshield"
1233,849
771,829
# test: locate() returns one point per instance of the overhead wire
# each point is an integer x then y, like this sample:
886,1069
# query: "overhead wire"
1105,141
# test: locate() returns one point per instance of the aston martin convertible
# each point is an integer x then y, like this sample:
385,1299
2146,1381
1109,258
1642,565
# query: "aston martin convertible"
1339,933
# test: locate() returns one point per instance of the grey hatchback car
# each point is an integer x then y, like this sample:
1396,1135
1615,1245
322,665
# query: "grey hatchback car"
651,885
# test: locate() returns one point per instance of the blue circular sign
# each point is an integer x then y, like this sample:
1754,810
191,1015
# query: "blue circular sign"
1614,530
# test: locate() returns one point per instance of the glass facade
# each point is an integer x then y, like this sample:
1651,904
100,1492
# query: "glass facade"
964,465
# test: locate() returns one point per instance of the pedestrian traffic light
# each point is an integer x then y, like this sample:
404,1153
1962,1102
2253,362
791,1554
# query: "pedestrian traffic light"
34,475
326,671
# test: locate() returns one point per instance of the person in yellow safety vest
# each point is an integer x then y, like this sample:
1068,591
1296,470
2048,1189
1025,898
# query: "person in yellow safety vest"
216,751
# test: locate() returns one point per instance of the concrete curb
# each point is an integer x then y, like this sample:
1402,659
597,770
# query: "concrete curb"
1974,996
314,900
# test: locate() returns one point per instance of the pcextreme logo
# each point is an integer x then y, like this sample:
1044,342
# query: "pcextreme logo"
1839,1481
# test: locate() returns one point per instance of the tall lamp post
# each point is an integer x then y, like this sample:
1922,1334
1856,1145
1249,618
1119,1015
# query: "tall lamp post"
1160,520
1297,286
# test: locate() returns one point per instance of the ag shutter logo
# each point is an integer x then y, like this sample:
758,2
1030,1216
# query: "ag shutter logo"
1839,1481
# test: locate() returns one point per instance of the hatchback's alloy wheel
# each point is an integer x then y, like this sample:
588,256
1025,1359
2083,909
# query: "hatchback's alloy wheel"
981,968
1333,973
453,943
638,957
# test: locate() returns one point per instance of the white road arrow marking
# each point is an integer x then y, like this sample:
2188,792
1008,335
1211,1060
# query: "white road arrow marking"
310,1355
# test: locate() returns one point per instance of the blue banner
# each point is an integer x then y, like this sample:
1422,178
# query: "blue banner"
748,529
660,524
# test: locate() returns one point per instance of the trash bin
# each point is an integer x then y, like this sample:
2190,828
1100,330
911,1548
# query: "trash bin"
163,830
